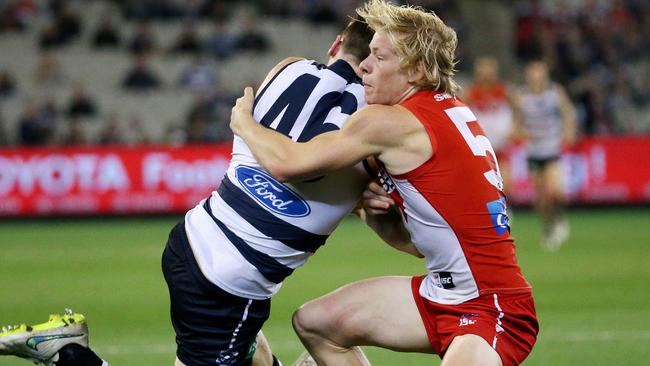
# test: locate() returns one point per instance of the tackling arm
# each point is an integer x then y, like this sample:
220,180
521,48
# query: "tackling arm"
288,160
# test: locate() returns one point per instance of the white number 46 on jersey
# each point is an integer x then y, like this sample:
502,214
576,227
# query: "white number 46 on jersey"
479,144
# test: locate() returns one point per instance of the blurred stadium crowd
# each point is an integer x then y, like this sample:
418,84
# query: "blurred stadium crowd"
599,51
168,71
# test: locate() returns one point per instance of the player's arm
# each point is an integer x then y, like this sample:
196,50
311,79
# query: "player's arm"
518,130
381,214
517,114
366,133
568,117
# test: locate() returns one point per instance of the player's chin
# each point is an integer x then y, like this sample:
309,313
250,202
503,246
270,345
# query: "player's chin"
376,99
371,97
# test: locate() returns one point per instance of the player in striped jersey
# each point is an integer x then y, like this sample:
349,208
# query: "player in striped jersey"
546,124
230,254
473,306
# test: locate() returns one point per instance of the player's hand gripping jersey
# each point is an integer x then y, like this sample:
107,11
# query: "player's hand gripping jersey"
454,207
254,231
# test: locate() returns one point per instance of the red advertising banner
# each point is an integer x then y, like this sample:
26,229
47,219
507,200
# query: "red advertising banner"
108,180
603,170
131,180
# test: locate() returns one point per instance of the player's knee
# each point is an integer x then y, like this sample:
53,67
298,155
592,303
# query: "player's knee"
339,326
313,320
303,322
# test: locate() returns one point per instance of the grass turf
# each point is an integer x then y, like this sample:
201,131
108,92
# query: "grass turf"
592,297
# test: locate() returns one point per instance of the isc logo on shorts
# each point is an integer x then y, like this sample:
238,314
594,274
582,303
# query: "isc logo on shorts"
467,319
270,193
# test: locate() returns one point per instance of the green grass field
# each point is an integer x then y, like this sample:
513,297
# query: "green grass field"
593,297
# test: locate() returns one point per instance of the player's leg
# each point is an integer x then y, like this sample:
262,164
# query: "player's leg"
211,325
76,355
305,359
542,202
470,350
376,312
61,341
263,355
557,202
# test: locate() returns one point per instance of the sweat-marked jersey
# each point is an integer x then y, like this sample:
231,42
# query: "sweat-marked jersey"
254,231
454,208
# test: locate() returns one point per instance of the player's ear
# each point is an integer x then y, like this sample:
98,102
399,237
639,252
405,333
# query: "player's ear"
415,74
335,47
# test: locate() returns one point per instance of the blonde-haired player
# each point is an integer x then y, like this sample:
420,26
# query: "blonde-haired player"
473,306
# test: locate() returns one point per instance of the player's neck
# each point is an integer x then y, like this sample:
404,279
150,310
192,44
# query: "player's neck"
539,88
407,93
351,60
487,84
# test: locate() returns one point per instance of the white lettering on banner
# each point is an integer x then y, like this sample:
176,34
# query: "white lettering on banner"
147,202
59,174
111,174
26,175
70,204
86,167
598,163
56,174
180,175
7,175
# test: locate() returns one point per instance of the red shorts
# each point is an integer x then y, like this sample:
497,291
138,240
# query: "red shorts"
508,322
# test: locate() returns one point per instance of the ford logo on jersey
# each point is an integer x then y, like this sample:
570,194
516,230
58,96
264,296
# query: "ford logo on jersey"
499,215
270,193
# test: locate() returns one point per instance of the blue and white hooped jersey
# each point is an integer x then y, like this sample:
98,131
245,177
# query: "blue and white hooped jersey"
254,231
542,119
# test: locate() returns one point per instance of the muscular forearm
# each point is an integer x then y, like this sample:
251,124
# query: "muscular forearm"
390,228
268,147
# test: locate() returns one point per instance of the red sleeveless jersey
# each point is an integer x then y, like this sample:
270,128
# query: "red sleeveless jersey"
454,207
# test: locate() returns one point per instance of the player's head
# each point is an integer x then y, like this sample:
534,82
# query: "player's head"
486,70
536,74
411,42
352,44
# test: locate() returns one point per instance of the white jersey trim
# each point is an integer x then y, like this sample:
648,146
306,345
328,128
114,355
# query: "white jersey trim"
285,255
220,261
436,240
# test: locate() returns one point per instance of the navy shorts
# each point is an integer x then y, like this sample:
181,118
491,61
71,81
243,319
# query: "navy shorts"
539,164
213,327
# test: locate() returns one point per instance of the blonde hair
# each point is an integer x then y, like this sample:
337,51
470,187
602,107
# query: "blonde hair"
422,41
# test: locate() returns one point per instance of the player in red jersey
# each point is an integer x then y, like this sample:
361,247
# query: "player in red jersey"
473,307
491,101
